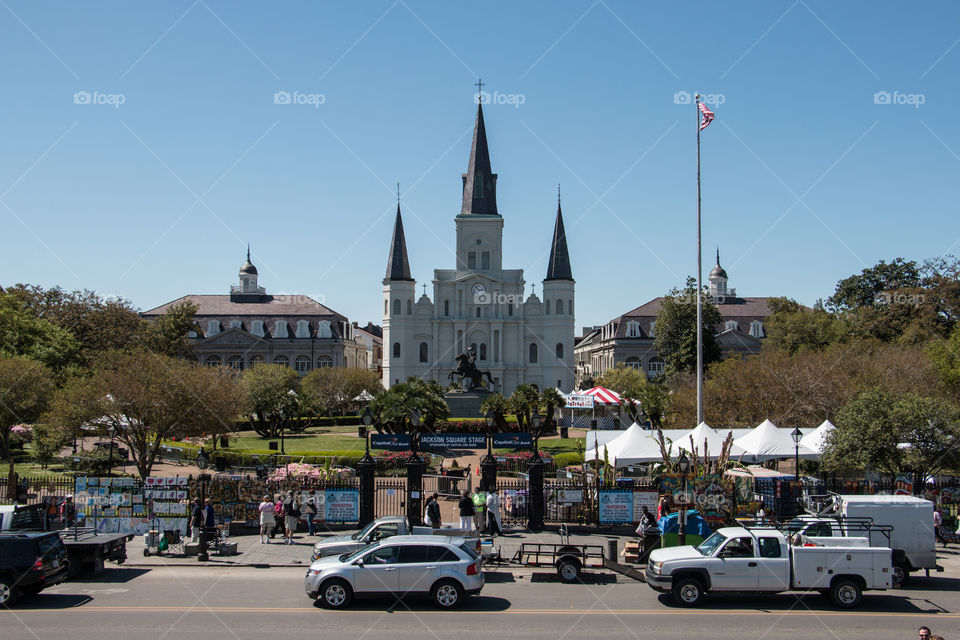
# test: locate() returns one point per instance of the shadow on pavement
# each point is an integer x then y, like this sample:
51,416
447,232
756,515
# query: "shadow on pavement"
873,602
423,605
933,583
48,601
113,575
585,578
498,577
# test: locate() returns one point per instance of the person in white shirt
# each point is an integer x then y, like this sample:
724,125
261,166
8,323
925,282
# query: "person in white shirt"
267,521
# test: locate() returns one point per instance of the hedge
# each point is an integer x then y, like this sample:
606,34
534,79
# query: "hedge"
563,460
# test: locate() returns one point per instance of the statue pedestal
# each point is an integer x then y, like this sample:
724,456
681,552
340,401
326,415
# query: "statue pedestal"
466,404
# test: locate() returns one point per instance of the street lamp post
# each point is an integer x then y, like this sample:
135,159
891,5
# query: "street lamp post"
366,470
535,477
202,479
488,464
535,424
796,434
415,468
112,430
683,465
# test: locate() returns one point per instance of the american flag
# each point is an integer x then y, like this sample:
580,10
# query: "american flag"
707,116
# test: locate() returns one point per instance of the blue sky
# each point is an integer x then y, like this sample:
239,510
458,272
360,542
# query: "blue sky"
152,189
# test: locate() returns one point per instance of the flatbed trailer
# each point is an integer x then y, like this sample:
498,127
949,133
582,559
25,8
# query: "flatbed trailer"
568,559
89,550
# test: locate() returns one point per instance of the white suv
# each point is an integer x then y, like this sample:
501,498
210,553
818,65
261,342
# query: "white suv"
448,569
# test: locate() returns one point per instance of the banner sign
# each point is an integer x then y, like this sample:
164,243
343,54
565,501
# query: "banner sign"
390,441
342,505
442,441
579,401
646,499
616,507
512,441
569,496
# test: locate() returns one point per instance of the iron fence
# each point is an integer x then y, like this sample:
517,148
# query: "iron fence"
37,489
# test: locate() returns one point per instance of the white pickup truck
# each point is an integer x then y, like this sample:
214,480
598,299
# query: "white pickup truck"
762,560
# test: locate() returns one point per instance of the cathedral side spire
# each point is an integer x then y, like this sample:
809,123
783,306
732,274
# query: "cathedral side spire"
558,265
479,182
398,266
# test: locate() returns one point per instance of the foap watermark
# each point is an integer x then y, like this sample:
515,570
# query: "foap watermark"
513,99
910,99
298,97
98,97
486,297
909,299
712,99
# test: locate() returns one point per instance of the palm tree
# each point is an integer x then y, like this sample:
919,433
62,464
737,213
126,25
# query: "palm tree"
551,399
500,406
392,408
524,400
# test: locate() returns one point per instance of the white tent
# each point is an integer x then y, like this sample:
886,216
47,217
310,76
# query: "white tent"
633,446
817,439
714,440
767,442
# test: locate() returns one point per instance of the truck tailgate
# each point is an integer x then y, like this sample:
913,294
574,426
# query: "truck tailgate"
815,567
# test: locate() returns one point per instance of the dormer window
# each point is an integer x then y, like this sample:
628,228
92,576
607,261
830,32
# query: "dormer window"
256,328
236,324
731,325
633,329
213,327
280,329
653,325
756,329
324,330
303,329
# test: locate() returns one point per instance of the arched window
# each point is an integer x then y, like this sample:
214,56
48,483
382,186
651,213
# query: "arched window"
473,346
255,360
559,350
478,312
483,350
423,352
396,307
302,364
570,307
409,307
546,306
559,307
284,360
446,308
533,353
213,361
236,362
324,361
396,349
386,307
634,363
655,367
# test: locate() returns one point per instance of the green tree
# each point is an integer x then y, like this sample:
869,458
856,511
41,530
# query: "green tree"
270,392
168,334
393,408
792,327
22,333
25,389
863,289
334,389
524,400
551,400
675,338
945,355
500,407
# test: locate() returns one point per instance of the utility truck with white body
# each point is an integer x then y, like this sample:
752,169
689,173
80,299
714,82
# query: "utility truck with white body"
763,560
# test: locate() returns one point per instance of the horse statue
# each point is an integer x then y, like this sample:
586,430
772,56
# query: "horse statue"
470,376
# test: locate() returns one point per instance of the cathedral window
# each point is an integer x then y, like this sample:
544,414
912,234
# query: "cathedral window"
386,307
302,364
280,329
485,260
396,307
546,306
570,307
282,360
423,352
303,329
559,351
409,307
533,353
446,308
324,361
559,307
236,362
471,260
213,361
478,312
483,350
509,309
396,349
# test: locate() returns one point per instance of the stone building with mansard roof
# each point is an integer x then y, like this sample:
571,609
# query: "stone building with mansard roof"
248,326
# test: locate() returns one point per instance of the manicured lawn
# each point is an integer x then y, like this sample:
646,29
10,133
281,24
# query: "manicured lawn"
299,443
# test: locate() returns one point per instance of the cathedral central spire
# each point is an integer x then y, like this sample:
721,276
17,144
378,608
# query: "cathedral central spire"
558,265
398,266
479,182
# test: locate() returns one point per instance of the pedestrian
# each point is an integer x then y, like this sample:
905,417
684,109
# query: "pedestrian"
924,633
663,507
480,510
761,513
493,514
292,510
209,515
68,511
311,510
646,520
196,520
466,512
433,511
937,523
266,510
279,515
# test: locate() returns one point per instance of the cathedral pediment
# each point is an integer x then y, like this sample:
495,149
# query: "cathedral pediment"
234,336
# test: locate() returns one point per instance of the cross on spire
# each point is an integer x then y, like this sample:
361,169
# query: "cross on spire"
424,289
398,194
479,84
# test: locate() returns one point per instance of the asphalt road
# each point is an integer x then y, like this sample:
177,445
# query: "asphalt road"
238,603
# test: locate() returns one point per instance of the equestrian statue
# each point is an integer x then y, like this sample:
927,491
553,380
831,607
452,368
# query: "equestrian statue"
470,376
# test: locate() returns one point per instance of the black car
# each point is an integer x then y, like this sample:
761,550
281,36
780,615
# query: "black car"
29,563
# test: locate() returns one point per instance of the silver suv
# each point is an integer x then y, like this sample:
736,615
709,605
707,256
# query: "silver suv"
448,569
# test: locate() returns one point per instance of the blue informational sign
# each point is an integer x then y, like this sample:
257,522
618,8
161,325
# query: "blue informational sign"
342,505
390,441
512,441
443,441
616,507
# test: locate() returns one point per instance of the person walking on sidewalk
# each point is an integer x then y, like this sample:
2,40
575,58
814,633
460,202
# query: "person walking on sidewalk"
266,519
196,520
493,514
292,510
479,510
433,511
279,515
466,512
311,510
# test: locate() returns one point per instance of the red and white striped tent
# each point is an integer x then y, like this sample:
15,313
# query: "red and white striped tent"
602,395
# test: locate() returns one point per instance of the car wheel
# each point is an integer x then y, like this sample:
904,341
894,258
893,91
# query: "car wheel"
846,594
447,594
568,570
688,592
8,592
900,574
336,594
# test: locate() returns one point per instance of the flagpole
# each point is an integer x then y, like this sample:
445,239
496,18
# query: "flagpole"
699,282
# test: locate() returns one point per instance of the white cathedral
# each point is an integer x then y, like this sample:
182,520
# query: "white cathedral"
480,305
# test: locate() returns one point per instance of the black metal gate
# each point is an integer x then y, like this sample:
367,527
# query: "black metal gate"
389,497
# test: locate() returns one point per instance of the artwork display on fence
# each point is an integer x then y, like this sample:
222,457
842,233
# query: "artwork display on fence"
127,505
